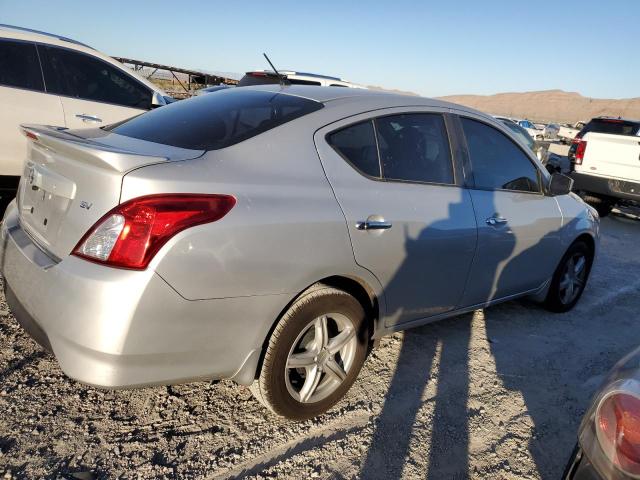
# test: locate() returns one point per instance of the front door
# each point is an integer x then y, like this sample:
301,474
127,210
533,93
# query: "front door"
518,226
409,221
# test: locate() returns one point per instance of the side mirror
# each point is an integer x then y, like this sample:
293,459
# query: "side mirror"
157,100
560,184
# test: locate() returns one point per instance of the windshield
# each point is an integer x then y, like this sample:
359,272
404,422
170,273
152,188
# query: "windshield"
211,122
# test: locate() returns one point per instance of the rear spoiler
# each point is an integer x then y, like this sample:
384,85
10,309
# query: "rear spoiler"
59,140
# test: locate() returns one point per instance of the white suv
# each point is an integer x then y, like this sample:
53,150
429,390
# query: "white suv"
48,79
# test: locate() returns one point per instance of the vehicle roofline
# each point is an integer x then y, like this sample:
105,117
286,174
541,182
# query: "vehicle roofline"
5,27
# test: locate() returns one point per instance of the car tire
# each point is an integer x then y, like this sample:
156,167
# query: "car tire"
602,206
307,336
570,278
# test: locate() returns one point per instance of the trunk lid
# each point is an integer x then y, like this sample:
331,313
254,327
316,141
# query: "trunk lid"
72,178
610,155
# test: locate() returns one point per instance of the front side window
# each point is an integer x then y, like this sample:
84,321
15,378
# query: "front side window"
357,144
19,65
82,76
415,147
497,162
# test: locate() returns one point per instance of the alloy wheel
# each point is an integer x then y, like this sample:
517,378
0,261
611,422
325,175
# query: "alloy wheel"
321,357
573,278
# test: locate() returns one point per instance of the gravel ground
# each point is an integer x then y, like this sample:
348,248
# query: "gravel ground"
494,394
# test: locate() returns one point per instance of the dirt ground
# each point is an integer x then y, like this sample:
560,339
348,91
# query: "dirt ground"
495,394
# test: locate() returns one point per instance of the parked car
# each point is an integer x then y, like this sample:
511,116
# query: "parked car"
535,132
613,126
551,131
568,132
48,79
539,148
531,129
270,234
269,77
609,436
606,166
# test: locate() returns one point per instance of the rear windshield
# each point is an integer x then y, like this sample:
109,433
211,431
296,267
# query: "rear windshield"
612,126
211,122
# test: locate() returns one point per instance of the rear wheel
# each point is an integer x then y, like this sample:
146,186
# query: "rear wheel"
314,354
570,278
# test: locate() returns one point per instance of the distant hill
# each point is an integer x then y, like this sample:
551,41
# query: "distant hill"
391,90
549,105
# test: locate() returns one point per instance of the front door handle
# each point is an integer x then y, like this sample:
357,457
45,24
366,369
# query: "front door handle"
496,221
88,118
370,224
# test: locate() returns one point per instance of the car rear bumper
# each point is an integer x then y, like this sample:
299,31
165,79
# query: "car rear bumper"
110,327
609,187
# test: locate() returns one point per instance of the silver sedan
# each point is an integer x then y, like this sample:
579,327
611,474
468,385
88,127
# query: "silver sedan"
271,234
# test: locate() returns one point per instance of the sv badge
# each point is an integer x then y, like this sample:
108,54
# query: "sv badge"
86,205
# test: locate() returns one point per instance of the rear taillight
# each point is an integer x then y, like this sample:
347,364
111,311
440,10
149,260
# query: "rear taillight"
580,149
618,430
132,233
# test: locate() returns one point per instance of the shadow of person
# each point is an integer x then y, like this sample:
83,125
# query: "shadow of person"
438,352
533,376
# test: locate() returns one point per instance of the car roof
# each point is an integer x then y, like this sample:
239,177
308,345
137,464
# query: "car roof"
35,35
328,95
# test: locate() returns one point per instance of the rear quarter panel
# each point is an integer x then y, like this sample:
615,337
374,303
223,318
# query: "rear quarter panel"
285,232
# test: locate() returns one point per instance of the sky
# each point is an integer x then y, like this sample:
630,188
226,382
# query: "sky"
433,48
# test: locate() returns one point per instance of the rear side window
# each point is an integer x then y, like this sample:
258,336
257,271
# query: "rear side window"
82,76
357,144
415,147
19,65
497,162
211,122
612,126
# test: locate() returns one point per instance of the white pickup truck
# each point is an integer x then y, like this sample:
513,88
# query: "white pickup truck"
606,170
567,134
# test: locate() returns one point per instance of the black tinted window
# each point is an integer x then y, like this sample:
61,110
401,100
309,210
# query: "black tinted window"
19,65
415,147
210,122
612,126
497,162
82,76
357,144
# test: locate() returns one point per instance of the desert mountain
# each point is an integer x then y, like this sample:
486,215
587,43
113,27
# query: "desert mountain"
549,105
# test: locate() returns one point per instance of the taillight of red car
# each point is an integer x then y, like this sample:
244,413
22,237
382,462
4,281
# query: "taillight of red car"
618,430
132,233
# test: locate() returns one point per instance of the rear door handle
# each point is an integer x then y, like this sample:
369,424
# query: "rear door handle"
373,225
88,118
496,221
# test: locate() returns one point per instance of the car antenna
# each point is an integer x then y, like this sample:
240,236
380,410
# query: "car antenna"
283,78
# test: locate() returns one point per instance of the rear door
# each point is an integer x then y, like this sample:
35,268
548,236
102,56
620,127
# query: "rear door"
22,100
518,226
92,91
410,221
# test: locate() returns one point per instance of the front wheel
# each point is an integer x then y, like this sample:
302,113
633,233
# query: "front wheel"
570,278
314,354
